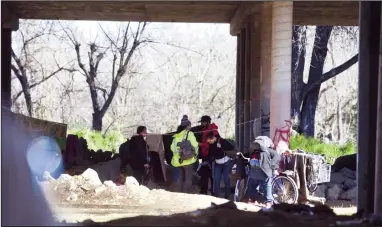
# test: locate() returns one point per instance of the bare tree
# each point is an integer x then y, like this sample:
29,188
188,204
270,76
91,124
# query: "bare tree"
29,71
122,49
305,95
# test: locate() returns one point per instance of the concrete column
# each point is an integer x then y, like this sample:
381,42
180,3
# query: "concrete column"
266,69
282,25
237,99
378,159
6,42
255,76
242,88
370,22
9,23
247,86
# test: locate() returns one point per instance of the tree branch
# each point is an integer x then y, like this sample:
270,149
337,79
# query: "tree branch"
330,74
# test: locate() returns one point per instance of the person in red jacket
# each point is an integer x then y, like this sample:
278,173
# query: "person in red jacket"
205,170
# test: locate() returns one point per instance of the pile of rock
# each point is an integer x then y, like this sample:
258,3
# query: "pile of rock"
342,186
88,188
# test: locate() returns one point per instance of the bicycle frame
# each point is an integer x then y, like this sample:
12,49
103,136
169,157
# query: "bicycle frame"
279,185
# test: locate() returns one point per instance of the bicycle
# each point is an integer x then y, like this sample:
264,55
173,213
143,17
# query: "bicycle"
284,188
318,170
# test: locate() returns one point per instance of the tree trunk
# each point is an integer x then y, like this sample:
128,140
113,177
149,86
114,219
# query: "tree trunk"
23,79
97,121
320,49
298,64
97,113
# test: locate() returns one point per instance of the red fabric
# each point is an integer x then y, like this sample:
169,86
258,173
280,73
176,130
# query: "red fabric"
204,145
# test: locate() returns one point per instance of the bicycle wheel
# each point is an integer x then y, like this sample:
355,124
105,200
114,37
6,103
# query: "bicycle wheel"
240,190
284,190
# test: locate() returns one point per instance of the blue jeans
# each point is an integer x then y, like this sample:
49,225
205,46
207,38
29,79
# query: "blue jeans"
175,172
254,186
219,170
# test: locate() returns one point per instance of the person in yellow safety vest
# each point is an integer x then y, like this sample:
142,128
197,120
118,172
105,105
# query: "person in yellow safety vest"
185,165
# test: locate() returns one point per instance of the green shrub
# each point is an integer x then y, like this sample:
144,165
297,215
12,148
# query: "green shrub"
313,145
96,140
330,151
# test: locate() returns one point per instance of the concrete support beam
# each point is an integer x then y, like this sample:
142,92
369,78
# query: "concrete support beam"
370,23
6,42
282,24
9,23
247,86
266,67
241,76
255,107
9,20
243,15
378,159
237,98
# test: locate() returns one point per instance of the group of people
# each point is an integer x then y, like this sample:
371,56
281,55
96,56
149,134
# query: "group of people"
205,144
189,146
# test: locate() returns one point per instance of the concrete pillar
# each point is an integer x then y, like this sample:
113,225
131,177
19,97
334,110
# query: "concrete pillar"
282,25
247,86
370,22
242,88
378,159
9,23
237,98
6,42
266,70
255,76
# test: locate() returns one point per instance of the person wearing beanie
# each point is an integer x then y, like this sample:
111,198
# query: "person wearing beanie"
184,139
185,122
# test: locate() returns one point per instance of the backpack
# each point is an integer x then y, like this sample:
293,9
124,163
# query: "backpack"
231,153
186,150
124,153
237,170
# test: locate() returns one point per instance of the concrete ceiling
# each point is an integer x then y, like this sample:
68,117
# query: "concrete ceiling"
339,13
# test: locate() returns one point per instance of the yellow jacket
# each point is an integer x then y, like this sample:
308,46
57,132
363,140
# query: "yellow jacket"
175,149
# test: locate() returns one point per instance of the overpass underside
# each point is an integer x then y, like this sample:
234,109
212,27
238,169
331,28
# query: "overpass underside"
264,54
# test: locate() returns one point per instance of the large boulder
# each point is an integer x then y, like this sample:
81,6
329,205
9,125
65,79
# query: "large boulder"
91,177
349,183
337,178
333,193
320,191
348,173
347,161
349,195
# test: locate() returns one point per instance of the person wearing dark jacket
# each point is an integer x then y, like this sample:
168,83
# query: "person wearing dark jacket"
205,170
139,156
264,164
217,151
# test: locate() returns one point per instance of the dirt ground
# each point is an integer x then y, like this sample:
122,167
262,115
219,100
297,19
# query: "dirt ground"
81,199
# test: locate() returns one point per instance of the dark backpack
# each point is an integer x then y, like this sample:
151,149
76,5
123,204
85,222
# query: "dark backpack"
237,171
186,150
231,153
124,153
